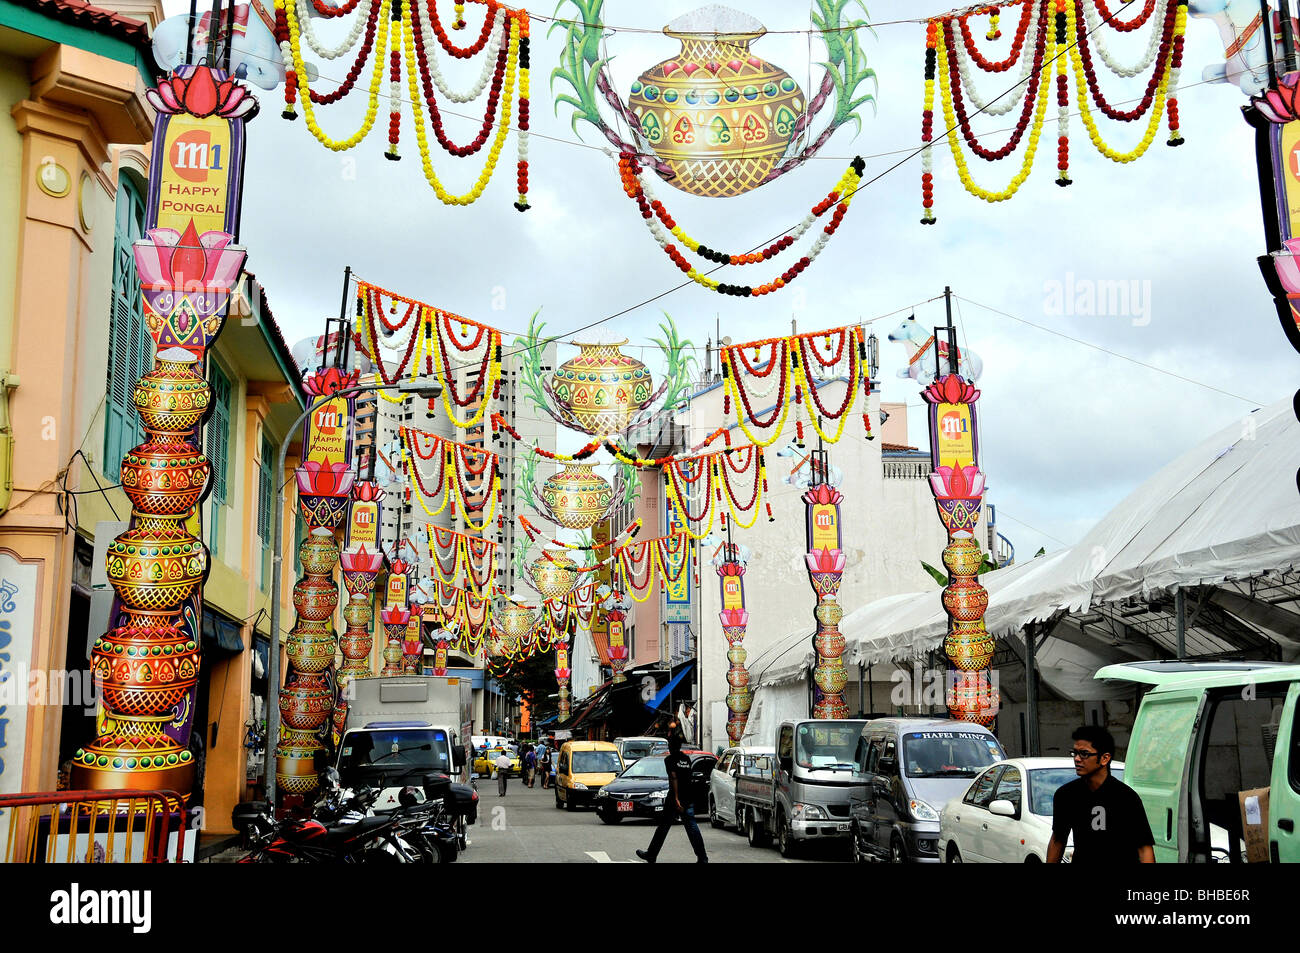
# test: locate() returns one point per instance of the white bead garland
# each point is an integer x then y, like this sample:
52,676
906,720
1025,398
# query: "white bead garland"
308,34
1092,17
490,52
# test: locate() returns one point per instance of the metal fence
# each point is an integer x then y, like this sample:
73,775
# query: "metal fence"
65,827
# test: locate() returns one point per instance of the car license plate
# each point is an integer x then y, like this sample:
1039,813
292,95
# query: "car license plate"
624,806
842,828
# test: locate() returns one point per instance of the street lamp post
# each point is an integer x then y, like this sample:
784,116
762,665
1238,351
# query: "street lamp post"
421,387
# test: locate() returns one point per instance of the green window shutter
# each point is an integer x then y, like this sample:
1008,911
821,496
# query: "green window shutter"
130,349
264,511
217,431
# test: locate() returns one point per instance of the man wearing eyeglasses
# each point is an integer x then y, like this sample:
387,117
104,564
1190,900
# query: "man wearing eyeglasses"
1104,814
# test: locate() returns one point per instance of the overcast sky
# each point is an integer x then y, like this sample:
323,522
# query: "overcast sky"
1068,430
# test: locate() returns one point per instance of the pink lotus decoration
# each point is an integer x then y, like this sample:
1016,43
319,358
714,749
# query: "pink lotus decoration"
191,262
953,389
826,561
1288,270
395,615
330,380
735,618
618,653
399,567
316,479
563,673
202,92
361,560
823,493
367,491
957,483
1280,105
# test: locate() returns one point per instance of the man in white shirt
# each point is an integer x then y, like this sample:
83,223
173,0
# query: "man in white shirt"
502,763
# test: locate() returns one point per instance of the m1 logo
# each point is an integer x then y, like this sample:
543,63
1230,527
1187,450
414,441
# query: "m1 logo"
1293,162
328,420
363,517
952,425
193,156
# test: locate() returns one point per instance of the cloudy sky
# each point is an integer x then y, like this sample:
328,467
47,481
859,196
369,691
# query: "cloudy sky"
1068,429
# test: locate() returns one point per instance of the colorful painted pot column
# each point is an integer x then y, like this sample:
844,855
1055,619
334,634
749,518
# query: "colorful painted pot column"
826,561
147,665
361,561
735,619
958,487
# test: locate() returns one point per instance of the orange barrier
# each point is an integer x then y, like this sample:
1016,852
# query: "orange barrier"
93,827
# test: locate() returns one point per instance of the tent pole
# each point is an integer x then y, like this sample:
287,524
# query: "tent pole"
1031,689
1180,621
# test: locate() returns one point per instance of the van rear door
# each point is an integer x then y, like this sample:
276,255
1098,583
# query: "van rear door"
1284,788
1158,762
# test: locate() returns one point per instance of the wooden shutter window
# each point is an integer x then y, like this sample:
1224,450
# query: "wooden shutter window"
130,349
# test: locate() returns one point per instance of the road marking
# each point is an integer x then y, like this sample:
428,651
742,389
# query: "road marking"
600,857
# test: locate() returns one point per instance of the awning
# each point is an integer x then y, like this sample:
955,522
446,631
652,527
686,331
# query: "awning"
221,634
664,692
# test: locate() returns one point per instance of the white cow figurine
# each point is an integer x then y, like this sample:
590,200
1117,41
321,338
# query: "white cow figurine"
920,354
1245,54
801,474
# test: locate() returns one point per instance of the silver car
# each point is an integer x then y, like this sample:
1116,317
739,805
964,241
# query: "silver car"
722,784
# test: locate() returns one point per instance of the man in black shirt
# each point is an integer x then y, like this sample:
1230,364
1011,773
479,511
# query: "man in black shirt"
1104,814
680,803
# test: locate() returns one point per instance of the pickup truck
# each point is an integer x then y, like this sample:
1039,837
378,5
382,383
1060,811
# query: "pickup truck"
800,794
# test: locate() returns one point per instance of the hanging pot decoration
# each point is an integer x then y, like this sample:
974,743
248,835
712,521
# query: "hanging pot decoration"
1061,34
577,496
555,574
601,389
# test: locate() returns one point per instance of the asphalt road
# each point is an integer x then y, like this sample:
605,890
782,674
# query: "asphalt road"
525,827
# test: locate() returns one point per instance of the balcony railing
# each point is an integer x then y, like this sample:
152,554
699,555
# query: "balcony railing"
907,469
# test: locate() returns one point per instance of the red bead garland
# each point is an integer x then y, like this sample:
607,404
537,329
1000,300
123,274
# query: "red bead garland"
1162,63
1026,113
494,94
999,66
1111,19
331,12
460,52
363,56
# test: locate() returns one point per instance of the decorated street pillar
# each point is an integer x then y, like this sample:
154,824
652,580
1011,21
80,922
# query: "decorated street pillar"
325,483
826,560
562,674
735,619
147,663
307,696
958,487
412,646
396,616
361,562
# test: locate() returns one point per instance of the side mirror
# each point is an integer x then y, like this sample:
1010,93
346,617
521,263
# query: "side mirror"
787,765
1003,808
458,756
887,766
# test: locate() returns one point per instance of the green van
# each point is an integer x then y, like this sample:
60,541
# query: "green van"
1206,731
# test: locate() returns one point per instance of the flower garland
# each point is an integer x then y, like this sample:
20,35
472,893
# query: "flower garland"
441,342
792,358
1063,38
463,551
455,459
639,562
407,37
637,187
713,475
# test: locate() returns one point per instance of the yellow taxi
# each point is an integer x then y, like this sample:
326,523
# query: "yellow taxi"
484,763
582,769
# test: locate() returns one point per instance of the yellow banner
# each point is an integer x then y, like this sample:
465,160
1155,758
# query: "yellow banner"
825,526
195,181
329,433
955,435
396,591
364,525
733,596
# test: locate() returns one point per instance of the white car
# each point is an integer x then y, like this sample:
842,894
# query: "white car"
722,785
1005,816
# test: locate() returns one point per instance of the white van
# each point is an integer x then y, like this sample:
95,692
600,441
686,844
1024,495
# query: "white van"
905,771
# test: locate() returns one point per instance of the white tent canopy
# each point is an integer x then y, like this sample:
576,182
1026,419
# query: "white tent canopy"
1225,514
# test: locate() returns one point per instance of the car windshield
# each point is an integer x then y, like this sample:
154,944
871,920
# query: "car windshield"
1043,783
827,745
647,768
596,762
948,754
399,750
639,749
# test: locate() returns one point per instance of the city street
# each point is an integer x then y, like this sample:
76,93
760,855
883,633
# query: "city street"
525,827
